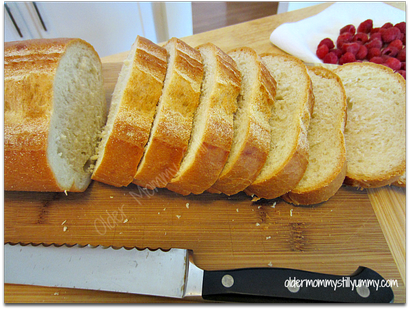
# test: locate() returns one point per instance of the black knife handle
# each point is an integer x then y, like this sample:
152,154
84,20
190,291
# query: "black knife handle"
290,285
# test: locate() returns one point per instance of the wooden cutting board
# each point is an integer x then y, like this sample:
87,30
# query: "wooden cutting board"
225,232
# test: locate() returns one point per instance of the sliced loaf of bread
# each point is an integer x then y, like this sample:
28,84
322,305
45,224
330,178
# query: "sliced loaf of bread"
375,131
289,148
251,140
172,125
54,110
326,170
212,131
132,111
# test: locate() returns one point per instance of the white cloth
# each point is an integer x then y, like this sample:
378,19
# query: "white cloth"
301,38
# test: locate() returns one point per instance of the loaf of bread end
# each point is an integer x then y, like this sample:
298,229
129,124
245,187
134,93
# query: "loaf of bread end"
54,111
131,114
375,131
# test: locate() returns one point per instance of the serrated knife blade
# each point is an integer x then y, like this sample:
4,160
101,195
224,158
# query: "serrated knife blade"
135,271
173,274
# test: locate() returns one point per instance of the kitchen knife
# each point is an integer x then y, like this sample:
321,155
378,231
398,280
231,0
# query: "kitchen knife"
172,273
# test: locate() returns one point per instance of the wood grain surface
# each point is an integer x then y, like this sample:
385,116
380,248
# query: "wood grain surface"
354,228
224,232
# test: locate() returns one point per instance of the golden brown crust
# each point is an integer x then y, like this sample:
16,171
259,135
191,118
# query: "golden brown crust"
383,180
254,151
29,70
132,124
320,194
401,182
169,138
217,137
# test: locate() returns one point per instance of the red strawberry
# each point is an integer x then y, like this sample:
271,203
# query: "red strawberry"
327,42
322,51
401,26
360,37
373,52
330,58
397,44
376,35
376,60
365,26
390,34
346,58
387,26
390,51
337,52
375,30
393,63
345,37
350,47
374,43
402,54
361,53
348,28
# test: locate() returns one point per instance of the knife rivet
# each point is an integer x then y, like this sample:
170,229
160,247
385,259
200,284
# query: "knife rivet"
363,291
227,280
293,288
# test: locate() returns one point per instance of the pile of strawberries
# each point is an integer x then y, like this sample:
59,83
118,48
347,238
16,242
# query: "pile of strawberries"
382,45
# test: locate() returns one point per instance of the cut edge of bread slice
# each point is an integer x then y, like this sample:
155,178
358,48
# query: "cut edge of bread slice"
289,151
376,124
172,124
401,182
326,170
251,124
212,131
132,111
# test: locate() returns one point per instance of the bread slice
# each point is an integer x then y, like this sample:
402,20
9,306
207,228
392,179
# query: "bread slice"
54,110
327,153
251,141
132,111
289,151
172,125
375,131
212,131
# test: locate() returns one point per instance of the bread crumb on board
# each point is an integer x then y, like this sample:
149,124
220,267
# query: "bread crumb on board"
255,198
